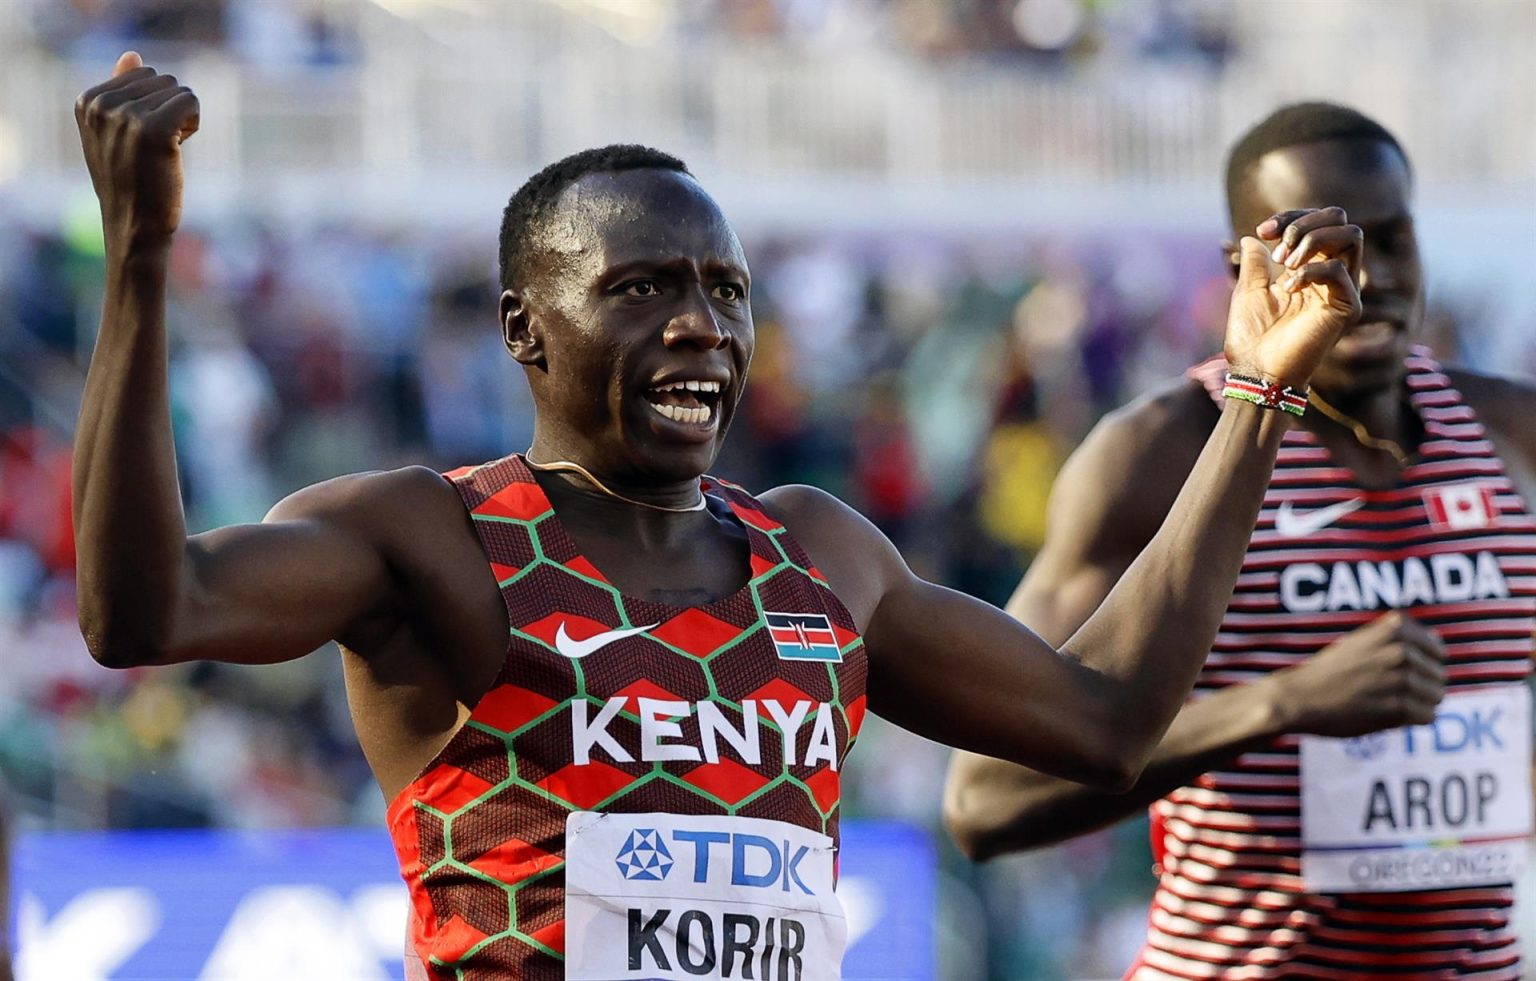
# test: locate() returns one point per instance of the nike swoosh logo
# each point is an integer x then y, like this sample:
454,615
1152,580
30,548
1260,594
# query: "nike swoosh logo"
575,649
1292,524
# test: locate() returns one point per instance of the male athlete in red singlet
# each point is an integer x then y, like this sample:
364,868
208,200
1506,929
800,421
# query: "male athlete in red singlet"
1394,561
641,778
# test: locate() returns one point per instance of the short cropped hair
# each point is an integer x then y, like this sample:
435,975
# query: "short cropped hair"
1297,124
533,200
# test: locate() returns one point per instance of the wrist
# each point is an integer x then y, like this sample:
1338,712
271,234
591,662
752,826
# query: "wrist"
1252,427
1265,392
1252,369
1274,713
139,256
129,239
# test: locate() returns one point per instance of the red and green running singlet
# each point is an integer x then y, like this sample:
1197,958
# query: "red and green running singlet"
646,791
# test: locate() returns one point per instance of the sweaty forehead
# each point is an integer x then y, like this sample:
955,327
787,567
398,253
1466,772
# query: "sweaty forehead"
605,219
1369,179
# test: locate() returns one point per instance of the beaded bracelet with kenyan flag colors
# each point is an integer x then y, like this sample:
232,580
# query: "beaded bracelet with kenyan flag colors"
1266,395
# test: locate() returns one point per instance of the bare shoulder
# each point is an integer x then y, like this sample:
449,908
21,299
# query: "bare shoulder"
409,529
1176,417
1505,404
378,503
855,556
805,509
1130,468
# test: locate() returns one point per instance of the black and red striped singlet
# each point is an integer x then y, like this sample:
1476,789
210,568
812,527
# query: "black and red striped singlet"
1230,901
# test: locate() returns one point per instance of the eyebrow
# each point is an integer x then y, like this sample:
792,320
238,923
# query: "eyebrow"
1386,221
673,265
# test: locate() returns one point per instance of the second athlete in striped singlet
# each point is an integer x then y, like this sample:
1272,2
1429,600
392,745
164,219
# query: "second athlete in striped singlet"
608,697
1327,814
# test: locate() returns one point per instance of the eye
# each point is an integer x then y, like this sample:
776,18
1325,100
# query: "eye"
642,287
1400,242
729,292
1396,239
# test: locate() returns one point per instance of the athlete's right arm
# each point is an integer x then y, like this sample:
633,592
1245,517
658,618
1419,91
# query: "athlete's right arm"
147,592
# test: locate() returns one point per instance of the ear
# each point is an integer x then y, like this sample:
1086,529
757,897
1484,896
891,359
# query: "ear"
517,332
1232,256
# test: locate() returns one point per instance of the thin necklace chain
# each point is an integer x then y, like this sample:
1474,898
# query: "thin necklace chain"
586,475
1362,435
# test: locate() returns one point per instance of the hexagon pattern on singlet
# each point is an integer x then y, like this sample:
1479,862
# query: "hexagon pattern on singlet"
481,833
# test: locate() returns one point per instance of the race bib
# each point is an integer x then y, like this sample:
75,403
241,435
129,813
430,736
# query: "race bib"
673,896
1423,807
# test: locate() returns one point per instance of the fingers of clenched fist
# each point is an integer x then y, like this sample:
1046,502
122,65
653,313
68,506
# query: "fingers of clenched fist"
127,62
1296,290
1303,235
1423,675
139,98
131,130
1317,247
1388,673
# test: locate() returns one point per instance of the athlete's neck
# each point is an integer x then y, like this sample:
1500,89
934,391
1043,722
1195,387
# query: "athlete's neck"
585,478
1384,412
648,530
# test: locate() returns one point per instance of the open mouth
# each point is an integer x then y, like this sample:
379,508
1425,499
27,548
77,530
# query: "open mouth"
1369,340
1376,330
690,403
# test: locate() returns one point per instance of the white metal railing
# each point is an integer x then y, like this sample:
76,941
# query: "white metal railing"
477,87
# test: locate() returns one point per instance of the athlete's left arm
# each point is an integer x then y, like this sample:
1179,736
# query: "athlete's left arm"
955,669
1505,405
958,670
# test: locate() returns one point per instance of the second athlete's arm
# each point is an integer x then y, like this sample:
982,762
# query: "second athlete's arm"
1384,674
1101,515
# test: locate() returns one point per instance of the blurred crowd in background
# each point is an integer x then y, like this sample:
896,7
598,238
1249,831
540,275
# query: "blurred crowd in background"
936,377
1044,31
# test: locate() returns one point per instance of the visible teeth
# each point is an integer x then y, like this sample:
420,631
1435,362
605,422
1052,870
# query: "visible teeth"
677,413
691,386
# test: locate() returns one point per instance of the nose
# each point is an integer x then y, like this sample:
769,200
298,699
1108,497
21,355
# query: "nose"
1377,271
696,325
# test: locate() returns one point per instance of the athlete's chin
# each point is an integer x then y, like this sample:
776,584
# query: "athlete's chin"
1349,374
1357,381
675,447
674,456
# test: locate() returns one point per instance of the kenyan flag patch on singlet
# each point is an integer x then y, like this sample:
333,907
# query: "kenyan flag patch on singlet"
803,637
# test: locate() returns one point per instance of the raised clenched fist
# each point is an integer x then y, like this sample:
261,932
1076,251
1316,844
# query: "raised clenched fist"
131,129
1386,674
1294,295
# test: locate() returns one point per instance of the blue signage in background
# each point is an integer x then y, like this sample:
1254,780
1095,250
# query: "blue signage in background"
329,904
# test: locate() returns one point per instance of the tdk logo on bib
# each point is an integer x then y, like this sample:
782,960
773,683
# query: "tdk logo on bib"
1366,747
644,856
747,860
683,896
1457,732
